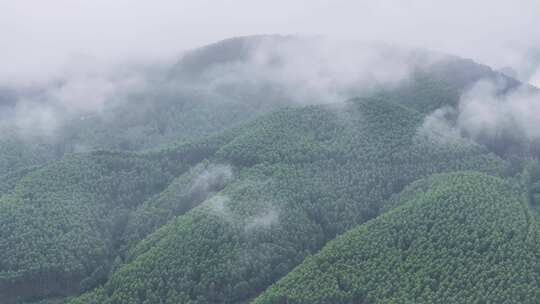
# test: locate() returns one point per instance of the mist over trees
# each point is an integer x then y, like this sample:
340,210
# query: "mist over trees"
373,162
219,218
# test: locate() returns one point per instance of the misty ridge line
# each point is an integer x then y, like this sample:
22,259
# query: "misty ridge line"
298,70
371,155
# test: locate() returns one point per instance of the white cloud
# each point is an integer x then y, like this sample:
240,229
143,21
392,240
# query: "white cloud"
40,37
486,115
535,79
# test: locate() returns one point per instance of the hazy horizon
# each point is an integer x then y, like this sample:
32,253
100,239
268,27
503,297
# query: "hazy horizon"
46,39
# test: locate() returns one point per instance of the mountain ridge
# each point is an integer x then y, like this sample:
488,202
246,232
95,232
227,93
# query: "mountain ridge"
222,213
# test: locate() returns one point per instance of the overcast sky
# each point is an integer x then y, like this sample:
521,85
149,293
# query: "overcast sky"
40,38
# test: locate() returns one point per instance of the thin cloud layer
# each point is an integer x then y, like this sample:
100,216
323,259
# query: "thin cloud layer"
312,69
82,54
274,70
485,115
41,39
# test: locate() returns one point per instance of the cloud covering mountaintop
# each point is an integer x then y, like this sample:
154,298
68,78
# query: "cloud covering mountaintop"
42,39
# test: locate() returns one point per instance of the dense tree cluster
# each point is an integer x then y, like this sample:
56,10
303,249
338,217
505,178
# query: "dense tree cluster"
61,224
234,198
456,238
17,153
305,176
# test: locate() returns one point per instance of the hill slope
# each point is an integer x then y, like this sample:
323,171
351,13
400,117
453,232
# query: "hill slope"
236,202
305,175
62,224
218,86
466,238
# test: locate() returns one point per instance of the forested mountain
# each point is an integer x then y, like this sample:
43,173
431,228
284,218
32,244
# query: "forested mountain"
215,87
456,238
208,187
305,176
182,102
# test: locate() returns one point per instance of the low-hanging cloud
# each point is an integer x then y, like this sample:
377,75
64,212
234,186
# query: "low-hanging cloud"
262,220
80,70
276,69
489,114
43,110
314,69
535,78
210,180
484,112
439,127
